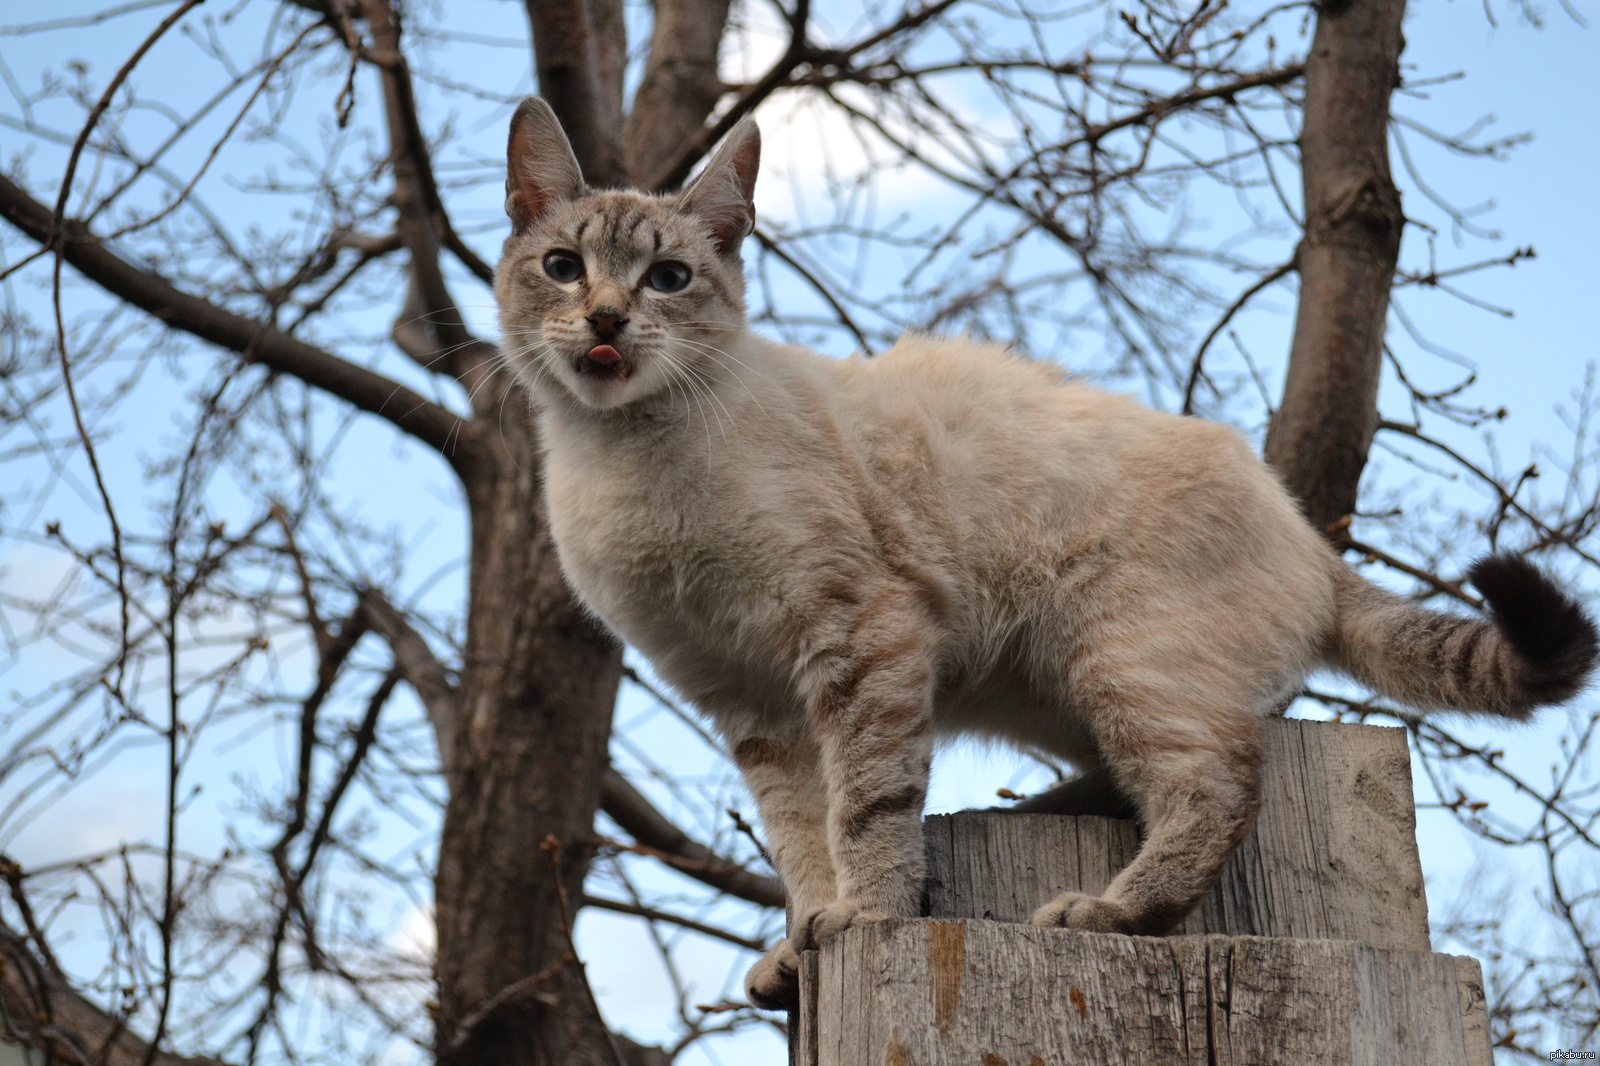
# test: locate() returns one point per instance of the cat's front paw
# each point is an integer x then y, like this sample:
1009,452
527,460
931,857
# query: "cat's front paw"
1089,914
773,983
816,927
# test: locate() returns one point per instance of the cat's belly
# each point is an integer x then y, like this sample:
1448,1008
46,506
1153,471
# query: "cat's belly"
1003,707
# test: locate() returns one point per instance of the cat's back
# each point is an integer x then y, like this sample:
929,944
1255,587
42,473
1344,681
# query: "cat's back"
975,422
1013,459
962,381
986,395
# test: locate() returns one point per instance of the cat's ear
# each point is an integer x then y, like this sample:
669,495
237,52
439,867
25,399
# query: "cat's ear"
541,170
724,193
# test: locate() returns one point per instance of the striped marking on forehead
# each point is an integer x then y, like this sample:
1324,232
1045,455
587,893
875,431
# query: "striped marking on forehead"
620,233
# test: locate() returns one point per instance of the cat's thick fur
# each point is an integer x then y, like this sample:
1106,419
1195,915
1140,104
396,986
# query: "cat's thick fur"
839,560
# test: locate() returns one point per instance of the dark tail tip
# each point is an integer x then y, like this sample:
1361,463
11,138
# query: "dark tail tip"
1546,626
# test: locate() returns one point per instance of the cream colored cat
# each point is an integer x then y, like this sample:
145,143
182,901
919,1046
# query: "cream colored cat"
839,560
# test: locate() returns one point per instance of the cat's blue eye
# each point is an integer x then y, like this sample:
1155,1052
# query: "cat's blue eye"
667,277
563,267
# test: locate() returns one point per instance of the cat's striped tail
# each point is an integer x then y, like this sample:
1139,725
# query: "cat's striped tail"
1536,647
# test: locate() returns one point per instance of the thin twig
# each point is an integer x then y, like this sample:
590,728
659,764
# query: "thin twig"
56,240
1195,371
655,915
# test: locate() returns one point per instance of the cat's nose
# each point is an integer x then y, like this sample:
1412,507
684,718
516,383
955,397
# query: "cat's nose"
606,324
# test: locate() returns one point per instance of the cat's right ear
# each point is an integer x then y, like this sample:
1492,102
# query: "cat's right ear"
541,170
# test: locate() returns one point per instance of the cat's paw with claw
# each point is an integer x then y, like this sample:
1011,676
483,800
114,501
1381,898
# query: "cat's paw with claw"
1089,914
773,983
816,927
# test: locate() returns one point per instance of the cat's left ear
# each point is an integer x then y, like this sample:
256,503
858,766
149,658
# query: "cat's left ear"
541,170
724,193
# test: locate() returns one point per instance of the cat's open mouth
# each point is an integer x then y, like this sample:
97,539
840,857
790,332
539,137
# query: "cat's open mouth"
604,361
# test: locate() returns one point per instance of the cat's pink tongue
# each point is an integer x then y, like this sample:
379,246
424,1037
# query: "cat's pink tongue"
605,355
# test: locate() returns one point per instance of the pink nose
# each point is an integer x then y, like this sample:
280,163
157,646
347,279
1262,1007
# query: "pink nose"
605,355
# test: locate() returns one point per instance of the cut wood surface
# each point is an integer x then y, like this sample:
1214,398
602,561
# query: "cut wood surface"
1333,855
920,992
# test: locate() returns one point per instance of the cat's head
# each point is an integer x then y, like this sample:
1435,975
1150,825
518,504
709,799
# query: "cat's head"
615,296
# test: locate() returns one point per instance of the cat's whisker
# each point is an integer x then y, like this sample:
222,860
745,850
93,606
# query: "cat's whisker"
700,392
709,325
710,389
693,373
512,362
714,352
441,354
689,366
712,348
676,378
670,375
502,360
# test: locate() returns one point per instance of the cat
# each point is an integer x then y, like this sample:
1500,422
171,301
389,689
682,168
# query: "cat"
836,560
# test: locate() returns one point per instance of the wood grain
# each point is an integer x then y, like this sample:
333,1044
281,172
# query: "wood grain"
1021,996
1333,855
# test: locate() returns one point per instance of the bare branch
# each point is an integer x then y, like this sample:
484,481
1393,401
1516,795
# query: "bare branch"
43,1009
419,666
673,172
1452,589
255,341
1550,534
1197,368
771,244
655,915
639,818
445,344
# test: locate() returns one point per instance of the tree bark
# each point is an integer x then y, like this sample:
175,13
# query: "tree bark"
609,29
680,84
534,718
1319,437
538,683
524,738
567,48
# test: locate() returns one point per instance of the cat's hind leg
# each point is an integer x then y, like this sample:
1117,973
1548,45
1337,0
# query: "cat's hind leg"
1193,769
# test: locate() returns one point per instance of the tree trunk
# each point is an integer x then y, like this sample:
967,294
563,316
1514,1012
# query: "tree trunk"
1318,439
568,48
539,680
534,719
680,87
537,687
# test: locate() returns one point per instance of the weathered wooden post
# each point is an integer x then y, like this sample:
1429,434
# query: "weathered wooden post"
1312,948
